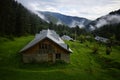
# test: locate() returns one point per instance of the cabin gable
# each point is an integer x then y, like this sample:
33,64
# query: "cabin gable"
45,51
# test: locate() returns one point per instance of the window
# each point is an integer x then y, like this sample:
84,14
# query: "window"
58,56
45,48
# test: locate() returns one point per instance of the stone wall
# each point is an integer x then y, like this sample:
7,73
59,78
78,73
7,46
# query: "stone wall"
65,57
28,58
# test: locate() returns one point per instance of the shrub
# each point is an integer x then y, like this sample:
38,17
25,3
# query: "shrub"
95,49
108,50
60,62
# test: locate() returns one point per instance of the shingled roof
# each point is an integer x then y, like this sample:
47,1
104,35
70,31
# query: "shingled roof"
102,39
66,37
50,34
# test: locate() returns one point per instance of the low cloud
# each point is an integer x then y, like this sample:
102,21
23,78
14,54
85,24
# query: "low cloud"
109,19
91,8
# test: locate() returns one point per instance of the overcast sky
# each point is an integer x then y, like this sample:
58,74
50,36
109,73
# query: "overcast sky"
90,9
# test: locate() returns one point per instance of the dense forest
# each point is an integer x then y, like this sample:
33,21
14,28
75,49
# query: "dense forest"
16,20
109,31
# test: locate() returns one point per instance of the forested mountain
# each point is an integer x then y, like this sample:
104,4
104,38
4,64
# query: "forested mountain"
17,21
109,19
117,12
111,28
109,31
70,21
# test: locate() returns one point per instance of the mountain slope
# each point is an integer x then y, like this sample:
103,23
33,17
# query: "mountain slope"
16,20
70,21
111,18
109,28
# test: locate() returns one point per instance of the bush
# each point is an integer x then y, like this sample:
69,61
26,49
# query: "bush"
95,49
108,50
60,62
3,39
11,37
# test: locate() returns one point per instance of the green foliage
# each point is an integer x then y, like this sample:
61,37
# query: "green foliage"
60,62
95,49
15,20
108,50
109,31
81,38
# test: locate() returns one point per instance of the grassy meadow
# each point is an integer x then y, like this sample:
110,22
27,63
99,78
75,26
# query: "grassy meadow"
84,65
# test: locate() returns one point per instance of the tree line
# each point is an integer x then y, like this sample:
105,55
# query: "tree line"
108,31
16,20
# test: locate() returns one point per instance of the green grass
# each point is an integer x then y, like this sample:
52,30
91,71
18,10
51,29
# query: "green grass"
84,65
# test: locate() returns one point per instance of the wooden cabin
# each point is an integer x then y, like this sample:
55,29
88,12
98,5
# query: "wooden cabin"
101,39
47,46
66,37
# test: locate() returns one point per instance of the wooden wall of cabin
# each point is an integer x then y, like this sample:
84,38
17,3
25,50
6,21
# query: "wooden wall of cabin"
34,53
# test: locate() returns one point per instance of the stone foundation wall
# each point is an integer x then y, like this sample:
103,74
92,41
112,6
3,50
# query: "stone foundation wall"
65,57
28,58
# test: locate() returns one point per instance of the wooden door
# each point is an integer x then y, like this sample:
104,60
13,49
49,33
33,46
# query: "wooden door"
50,57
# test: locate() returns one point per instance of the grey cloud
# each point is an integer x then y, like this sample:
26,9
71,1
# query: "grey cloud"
93,8
109,19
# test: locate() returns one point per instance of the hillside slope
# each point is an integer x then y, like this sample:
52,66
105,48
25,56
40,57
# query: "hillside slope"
108,19
16,20
84,65
109,26
70,21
